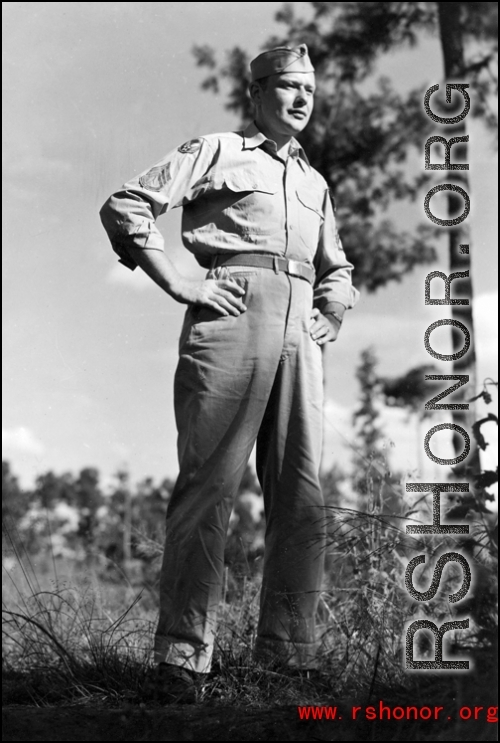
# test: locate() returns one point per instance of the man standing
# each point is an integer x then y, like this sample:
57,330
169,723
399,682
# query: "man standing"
259,217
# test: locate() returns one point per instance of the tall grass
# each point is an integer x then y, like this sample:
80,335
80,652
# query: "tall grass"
70,637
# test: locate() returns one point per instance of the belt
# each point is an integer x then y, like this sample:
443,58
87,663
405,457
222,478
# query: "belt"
260,260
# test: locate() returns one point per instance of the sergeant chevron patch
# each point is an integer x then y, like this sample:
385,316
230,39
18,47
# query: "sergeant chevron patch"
156,178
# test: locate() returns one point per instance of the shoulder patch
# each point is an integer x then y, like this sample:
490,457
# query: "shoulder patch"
189,147
156,178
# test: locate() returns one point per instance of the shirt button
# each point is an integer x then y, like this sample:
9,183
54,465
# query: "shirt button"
291,227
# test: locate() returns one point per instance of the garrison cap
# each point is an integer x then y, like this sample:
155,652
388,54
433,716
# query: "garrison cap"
281,59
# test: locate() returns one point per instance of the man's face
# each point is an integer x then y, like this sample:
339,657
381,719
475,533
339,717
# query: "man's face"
286,102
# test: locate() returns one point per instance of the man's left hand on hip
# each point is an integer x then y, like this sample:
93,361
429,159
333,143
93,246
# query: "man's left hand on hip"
324,328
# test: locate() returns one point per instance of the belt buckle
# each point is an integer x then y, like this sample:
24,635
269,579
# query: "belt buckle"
294,267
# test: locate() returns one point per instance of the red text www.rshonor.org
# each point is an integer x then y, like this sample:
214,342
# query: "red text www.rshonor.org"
385,712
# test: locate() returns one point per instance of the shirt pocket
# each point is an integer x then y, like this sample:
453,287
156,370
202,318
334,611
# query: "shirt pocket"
239,202
252,203
257,204
311,218
244,180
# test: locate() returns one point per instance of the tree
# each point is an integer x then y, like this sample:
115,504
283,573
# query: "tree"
458,23
359,138
50,489
121,500
358,141
14,500
369,465
408,390
88,499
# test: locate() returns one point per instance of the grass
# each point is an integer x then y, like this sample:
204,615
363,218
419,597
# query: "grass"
70,638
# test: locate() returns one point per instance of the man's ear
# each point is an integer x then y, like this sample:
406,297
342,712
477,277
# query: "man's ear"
255,92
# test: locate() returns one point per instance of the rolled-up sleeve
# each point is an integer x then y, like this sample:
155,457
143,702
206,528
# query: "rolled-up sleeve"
333,270
129,215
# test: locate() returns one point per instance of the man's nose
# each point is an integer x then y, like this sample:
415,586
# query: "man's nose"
301,99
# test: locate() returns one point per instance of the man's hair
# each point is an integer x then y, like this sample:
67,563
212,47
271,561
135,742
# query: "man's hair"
263,82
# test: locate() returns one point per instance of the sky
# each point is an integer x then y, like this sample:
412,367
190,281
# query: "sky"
93,94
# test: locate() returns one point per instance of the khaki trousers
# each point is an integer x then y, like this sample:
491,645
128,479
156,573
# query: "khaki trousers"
255,377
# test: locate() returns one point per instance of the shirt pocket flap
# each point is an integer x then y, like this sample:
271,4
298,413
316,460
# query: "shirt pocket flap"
311,200
245,181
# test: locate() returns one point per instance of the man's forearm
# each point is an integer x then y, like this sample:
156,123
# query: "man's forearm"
223,296
160,268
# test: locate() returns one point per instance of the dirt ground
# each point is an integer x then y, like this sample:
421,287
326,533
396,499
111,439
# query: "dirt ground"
212,722
197,722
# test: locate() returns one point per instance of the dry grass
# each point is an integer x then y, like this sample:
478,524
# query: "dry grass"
70,638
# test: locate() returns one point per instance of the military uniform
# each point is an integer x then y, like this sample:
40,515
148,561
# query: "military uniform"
269,224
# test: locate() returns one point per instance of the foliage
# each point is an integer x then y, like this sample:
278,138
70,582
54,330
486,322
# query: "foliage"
360,135
408,390
371,471
90,644
120,531
80,639
363,130
367,415
14,501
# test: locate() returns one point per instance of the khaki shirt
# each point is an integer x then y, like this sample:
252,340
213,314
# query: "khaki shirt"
238,196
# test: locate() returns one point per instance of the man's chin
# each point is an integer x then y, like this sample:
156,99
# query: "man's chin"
296,125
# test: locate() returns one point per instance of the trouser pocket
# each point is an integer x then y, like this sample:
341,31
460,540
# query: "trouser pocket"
203,322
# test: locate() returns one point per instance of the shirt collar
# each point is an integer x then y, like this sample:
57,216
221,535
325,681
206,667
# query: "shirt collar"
253,138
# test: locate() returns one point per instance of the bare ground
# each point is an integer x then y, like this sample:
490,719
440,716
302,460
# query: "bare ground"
216,722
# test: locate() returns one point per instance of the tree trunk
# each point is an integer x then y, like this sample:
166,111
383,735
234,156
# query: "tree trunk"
450,29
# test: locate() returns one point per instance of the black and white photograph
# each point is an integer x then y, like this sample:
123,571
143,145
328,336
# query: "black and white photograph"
250,432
